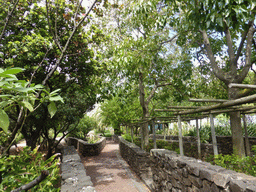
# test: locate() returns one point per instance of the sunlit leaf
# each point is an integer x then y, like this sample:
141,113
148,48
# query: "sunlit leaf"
56,98
28,106
4,120
52,109
13,71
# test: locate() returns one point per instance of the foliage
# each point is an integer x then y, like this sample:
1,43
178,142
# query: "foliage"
220,35
85,125
120,109
205,132
93,139
104,132
54,43
24,168
16,92
161,144
245,165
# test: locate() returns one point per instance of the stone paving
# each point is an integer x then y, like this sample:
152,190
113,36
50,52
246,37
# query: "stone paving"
110,173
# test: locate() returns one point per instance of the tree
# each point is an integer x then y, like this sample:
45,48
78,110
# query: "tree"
50,41
122,108
15,93
223,34
144,51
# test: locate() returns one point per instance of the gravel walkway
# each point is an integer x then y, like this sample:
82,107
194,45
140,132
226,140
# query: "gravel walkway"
110,173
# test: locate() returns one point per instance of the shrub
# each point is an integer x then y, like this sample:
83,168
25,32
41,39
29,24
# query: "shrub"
245,165
24,168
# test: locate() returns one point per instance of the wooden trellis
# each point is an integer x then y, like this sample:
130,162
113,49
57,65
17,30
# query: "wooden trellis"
186,113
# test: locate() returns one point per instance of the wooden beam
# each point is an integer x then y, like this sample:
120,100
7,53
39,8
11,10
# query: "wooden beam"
226,104
244,86
208,100
168,110
183,107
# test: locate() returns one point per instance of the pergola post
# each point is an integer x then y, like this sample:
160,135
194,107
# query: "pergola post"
247,144
198,139
154,133
180,136
132,133
214,141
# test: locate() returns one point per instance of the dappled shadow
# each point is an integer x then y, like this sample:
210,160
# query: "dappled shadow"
107,171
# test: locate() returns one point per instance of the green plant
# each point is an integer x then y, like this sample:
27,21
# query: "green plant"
94,139
254,148
24,168
107,133
85,125
22,93
245,165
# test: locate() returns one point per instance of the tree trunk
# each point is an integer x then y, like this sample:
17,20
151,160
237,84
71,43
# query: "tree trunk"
236,127
237,134
31,141
144,105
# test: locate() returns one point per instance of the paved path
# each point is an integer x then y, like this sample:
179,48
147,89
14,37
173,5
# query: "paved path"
110,173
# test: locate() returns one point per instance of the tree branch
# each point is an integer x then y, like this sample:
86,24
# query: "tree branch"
170,40
231,52
8,18
216,70
241,46
33,183
248,54
66,45
55,38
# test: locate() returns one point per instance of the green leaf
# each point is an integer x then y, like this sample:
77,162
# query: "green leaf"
4,120
13,70
57,98
54,92
28,106
52,109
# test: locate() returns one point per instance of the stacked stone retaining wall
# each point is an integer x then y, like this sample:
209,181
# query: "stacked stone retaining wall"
167,171
225,146
138,159
73,174
172,172
87,149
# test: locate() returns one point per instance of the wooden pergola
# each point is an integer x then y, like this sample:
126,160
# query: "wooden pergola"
187,113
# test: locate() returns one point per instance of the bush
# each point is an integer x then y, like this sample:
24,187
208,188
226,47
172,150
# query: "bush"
24,168
245,165
85,125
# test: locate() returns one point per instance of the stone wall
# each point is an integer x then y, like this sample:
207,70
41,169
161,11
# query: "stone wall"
138,159
172,172
73,174
87,149
190,145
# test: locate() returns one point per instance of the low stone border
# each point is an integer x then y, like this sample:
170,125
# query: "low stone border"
172,172
164,170
138,159
73,174
87,149
224,143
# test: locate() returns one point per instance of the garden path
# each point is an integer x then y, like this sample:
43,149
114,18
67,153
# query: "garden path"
110,173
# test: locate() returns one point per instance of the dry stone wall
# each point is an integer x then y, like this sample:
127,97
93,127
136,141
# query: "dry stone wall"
168,171
138,159
87,149
224,144
172,172
73,174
